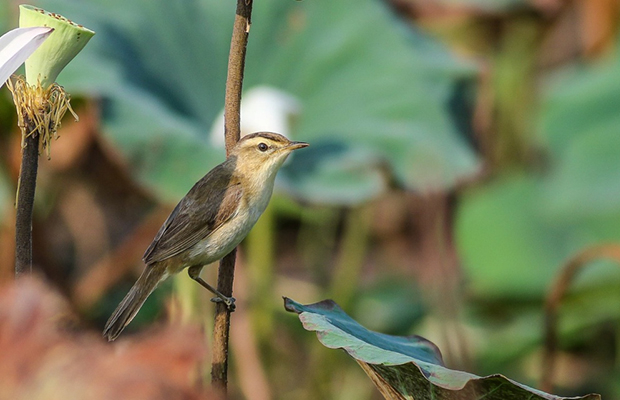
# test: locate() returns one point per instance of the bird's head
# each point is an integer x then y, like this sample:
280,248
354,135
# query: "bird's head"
263,153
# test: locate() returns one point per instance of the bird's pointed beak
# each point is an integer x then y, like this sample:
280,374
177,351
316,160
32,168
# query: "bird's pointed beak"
297,145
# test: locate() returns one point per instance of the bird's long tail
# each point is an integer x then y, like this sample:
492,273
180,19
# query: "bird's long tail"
129,307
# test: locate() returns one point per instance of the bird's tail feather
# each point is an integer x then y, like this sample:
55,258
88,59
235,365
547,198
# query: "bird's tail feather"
129,307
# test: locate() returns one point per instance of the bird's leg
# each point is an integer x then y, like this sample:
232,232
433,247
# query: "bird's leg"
194,273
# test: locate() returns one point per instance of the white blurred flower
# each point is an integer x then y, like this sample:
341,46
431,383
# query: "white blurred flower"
17,45
263,108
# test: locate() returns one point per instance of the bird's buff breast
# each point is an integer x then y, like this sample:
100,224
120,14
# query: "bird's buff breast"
223,240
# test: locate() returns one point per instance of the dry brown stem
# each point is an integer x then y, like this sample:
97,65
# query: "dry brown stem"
39,112
232,132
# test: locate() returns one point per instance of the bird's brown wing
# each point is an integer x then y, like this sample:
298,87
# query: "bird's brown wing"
211,202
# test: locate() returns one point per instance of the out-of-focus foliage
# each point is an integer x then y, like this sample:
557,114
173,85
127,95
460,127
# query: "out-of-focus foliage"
390,305
44,357
405,367
375,97
378,101
516,232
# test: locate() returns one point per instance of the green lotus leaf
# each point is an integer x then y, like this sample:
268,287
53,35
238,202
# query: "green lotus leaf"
408,367
515,233
366,83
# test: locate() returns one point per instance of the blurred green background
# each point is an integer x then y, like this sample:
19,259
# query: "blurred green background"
462,151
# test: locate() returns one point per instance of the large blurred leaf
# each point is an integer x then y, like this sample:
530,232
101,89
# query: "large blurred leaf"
405,367
580,124
515,233
367,84
389,304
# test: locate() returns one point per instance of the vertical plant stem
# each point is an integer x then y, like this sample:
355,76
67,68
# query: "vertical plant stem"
221,326
345,279
260,250
509,140
234,79
352,253
25,201
317,238
232,132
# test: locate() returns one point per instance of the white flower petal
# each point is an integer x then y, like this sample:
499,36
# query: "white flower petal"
17,45
263,108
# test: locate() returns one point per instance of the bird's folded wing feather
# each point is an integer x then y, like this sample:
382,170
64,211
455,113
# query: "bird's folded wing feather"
209,204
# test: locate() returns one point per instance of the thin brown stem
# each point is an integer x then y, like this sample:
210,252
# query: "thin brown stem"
554,300
25,201
232,132
234,80
221,327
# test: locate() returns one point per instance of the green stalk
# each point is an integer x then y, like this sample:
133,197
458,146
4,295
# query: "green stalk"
317,236
345,279
352,253
260,245
186,294
515,93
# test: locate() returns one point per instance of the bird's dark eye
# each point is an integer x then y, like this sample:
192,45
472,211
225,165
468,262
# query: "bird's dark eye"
262,147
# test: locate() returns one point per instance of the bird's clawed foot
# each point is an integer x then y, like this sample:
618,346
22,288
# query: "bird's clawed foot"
194,273
228,301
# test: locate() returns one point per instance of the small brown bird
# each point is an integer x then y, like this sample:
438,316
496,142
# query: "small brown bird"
210,221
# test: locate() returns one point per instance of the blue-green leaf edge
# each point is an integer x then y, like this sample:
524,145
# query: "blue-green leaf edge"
337,330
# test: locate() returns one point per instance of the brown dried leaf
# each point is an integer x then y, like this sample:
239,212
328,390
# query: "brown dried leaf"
42,358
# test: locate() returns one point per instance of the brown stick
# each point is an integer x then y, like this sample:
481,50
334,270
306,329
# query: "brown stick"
25,202
554,300
232,132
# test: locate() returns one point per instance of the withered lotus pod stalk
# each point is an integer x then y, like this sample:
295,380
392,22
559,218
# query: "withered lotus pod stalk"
41,103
